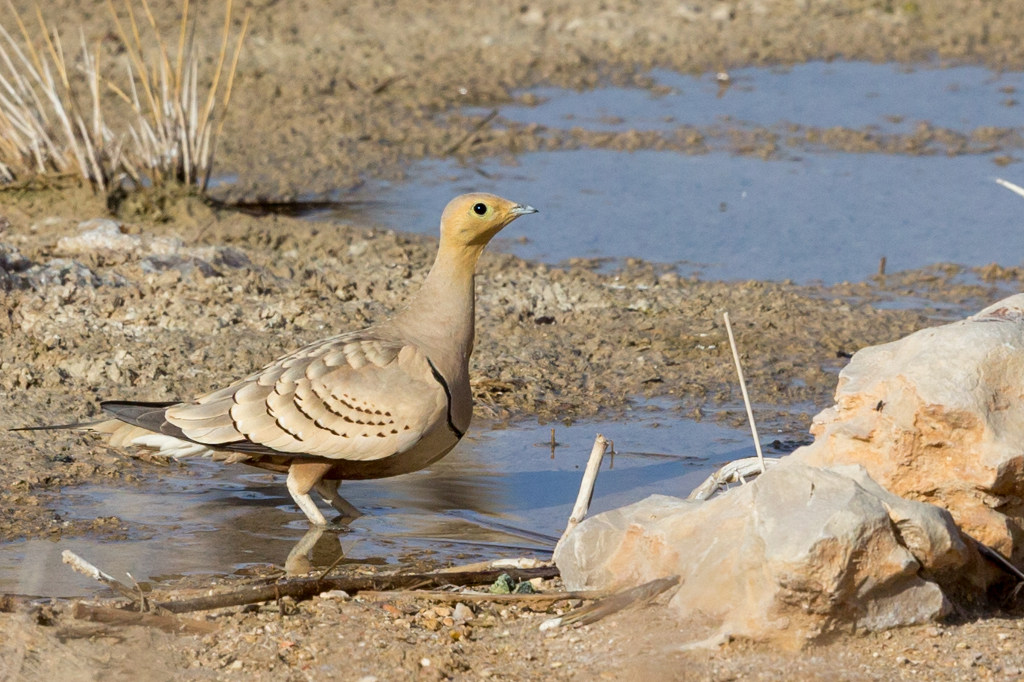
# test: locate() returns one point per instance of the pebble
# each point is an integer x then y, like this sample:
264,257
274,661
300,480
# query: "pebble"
335,594
462,613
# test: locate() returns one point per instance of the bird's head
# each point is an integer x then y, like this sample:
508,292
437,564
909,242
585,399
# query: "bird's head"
471,220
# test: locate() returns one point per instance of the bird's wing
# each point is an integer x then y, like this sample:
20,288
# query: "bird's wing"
353,397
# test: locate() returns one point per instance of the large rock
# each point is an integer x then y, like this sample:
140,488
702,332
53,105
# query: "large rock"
860,528
798,553
938,416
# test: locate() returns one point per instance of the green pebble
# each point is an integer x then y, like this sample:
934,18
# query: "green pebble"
503,585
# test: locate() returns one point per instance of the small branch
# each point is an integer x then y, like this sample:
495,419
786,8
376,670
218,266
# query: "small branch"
386,83
743,388
112,616
592,613
1016,189
536,598
521,562
85,568
579,510
334,564
306,588
476,129
734,472
143,602
12,602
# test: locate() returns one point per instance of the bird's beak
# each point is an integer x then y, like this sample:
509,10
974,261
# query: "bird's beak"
521,209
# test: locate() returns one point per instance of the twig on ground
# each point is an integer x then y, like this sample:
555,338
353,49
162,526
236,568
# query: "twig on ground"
112,616
85,568
579,510
743,389
737,471
143,602
535,598
12,602
334,564
305,588
592,613
521,562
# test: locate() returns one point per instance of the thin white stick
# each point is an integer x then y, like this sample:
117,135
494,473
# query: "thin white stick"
1016,189
579,510
85,568
743,388
733,472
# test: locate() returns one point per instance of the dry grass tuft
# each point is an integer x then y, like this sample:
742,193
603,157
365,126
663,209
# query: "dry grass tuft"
53,121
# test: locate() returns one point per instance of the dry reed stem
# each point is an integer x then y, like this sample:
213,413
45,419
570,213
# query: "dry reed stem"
743,389
175,116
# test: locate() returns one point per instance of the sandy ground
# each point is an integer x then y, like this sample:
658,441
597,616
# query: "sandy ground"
330,94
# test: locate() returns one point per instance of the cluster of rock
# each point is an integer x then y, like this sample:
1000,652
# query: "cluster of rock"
876,524
106,237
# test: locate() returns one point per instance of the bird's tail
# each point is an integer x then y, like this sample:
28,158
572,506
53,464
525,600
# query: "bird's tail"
120,434
132,423
129,419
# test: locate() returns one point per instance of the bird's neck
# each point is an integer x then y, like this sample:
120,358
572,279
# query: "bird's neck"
440,316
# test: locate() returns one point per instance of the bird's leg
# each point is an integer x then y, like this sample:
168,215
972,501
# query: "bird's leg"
302,476
328,490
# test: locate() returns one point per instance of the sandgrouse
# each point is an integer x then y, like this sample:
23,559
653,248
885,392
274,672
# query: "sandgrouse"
385,400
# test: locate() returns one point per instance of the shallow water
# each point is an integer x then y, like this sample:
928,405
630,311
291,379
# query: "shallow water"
812,215
827,218
886,97
502,492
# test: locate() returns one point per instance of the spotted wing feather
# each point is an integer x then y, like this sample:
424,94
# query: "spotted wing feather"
348,398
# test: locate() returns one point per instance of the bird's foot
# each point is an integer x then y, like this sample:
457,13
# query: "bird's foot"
329,491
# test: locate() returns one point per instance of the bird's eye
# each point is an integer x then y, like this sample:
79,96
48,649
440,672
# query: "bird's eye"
480,209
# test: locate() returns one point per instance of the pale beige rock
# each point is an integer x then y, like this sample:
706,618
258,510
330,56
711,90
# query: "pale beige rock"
796,554
938,416
105,235
99,234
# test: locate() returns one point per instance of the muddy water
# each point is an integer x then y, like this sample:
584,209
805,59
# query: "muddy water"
502,492
805,214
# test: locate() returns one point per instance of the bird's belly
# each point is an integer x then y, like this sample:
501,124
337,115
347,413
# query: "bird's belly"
433,446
